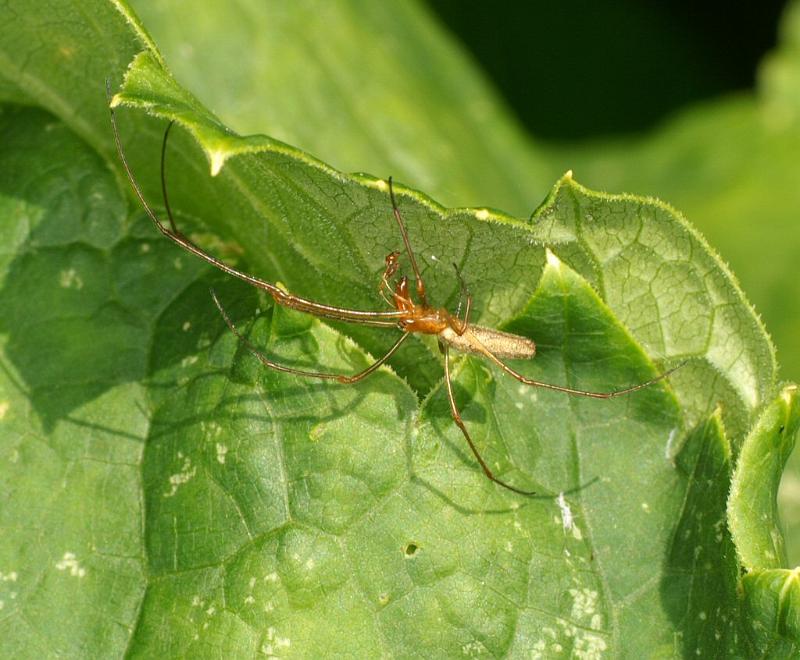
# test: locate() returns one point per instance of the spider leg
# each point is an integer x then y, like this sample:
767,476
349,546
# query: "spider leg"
460,423
341,378
570,390
404,233
388,272
281,297
164,194
463,324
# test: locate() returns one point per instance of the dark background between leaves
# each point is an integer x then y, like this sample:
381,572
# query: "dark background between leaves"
537,53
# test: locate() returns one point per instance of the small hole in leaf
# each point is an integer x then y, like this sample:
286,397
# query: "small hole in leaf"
411,549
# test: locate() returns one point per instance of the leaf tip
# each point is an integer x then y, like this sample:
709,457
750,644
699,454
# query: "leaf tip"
552,259
218,159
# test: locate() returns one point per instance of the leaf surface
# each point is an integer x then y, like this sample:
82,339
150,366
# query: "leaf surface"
157,474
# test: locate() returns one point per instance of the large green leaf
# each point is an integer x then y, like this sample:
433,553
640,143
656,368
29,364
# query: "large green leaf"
165,495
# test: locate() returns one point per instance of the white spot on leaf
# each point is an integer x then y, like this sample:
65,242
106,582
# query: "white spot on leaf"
566,512
670,441
589,646
472,649
70,563
69,279
584,603
276,640
182,477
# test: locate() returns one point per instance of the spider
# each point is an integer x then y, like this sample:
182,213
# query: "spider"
410,314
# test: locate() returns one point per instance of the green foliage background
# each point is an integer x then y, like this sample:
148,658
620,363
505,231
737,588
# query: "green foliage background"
165,496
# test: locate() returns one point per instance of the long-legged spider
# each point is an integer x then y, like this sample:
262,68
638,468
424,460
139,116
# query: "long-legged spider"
407,315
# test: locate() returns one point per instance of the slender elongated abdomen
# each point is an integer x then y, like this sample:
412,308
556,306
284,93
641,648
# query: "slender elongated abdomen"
501,344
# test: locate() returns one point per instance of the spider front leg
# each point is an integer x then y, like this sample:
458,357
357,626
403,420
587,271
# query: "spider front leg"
464,293
392,265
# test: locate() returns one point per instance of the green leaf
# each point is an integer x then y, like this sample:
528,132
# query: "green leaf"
166,495
771,601
753,512
701,591
664,282
58,57
770,592
73,424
